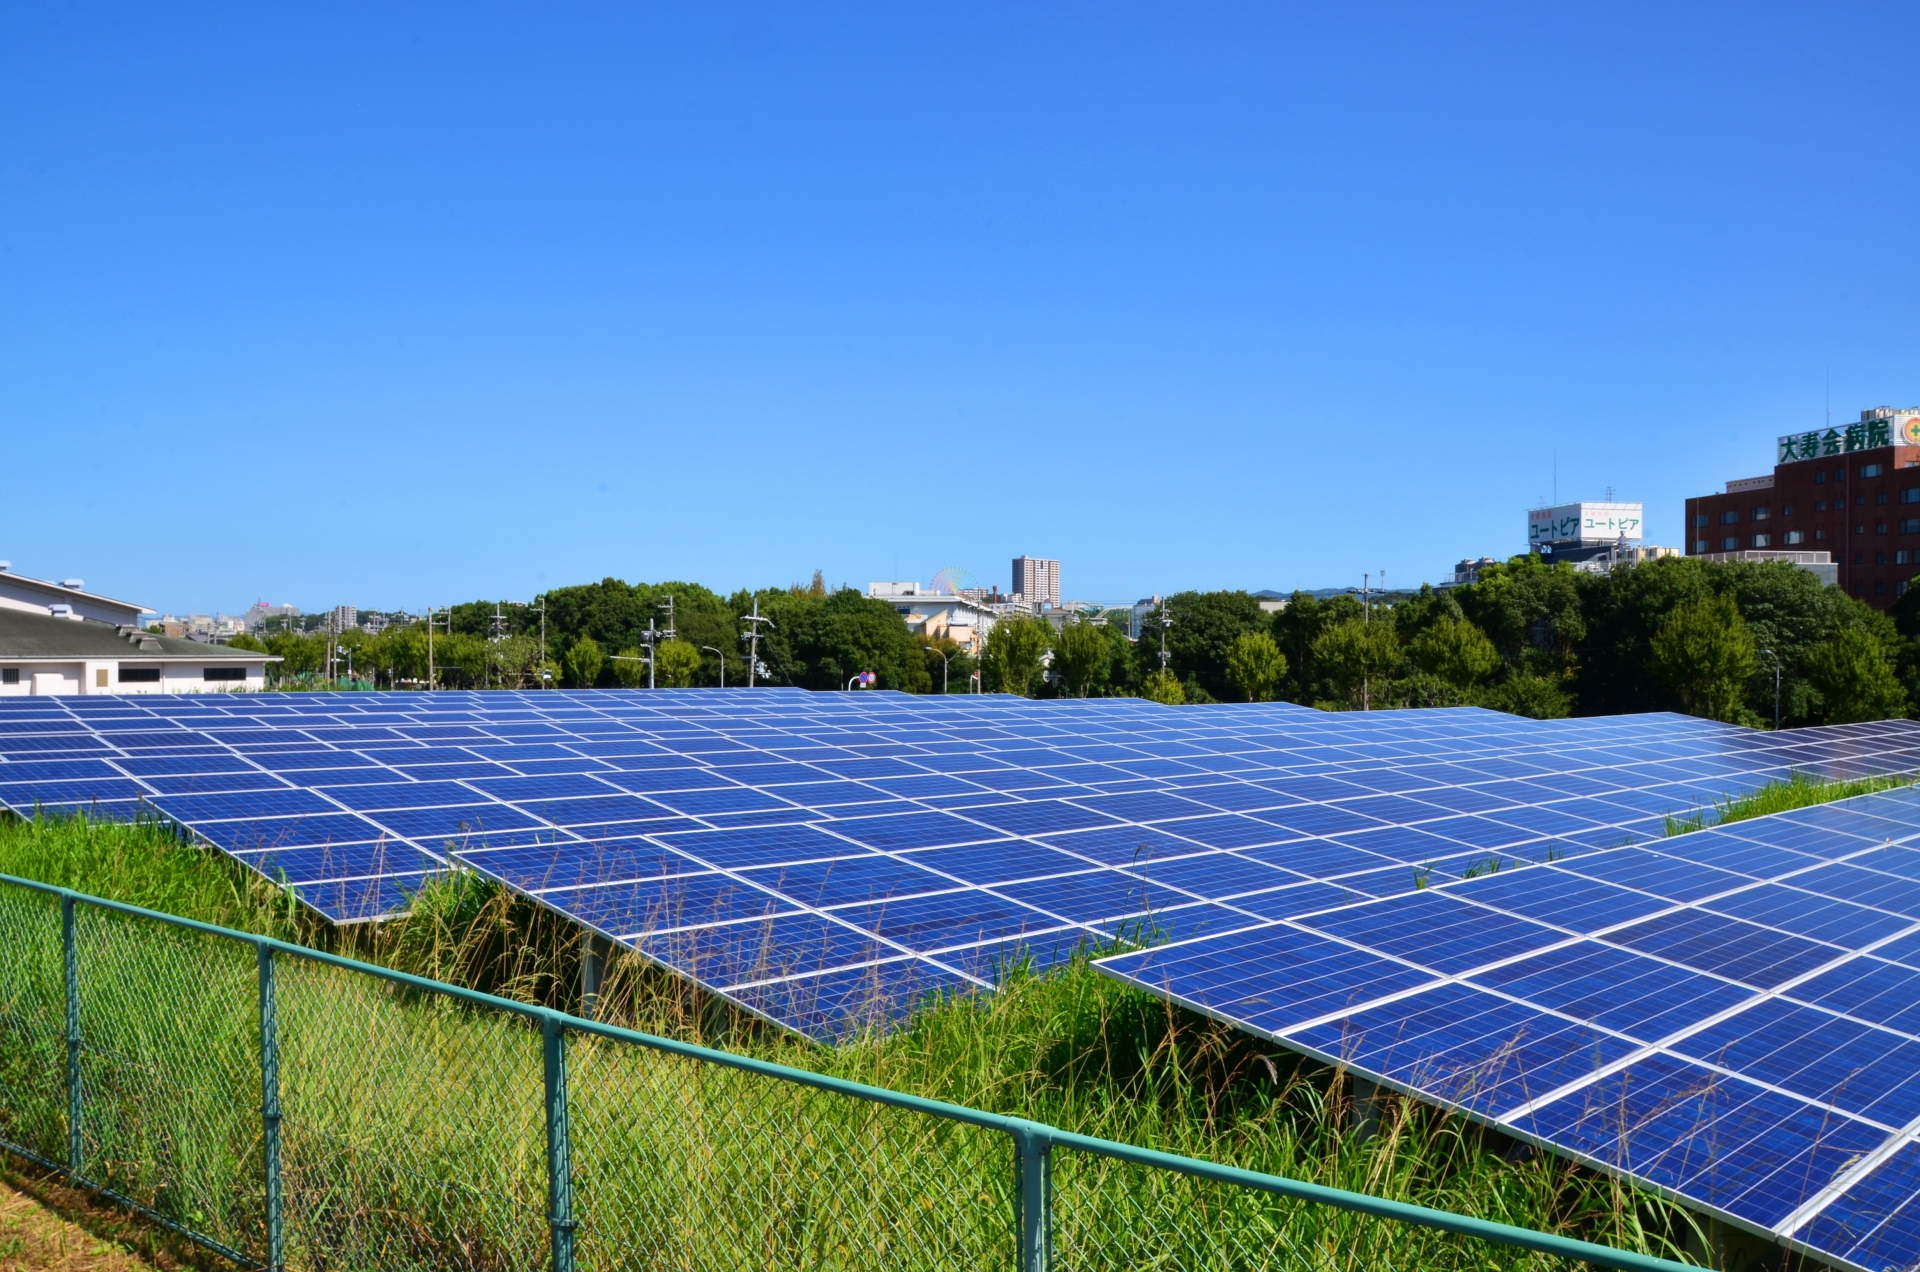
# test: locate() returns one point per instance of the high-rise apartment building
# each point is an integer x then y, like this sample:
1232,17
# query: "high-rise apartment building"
1036,580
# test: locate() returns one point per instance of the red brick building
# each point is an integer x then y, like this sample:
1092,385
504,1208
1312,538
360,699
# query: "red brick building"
1854,494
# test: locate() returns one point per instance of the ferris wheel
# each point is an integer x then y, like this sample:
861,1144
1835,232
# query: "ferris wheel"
954,579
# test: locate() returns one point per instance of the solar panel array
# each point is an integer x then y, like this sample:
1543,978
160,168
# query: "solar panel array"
1343,883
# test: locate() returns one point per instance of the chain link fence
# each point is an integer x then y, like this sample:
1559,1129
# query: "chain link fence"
291,1109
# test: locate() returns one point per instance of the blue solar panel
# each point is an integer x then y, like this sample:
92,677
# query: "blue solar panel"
1477,907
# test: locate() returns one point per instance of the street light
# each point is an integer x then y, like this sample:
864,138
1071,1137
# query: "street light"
944,660
1776,687
723,664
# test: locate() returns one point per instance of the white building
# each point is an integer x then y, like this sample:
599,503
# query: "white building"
936,614
1036,581
70,655
67,597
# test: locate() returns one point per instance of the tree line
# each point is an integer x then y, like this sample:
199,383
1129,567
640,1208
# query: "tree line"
1528,637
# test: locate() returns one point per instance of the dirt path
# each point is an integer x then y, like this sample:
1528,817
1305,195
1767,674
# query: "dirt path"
48,1227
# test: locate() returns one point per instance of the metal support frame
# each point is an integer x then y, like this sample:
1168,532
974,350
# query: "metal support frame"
559,1146
1033,1195
270,1109
593,967
70,939
1366,1108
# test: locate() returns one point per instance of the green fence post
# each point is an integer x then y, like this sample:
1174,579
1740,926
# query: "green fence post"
1033,1187
70,939
559,1146
270,1107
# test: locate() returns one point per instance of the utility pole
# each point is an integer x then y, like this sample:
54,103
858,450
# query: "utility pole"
752,638
1166,621
655,635
429,649
545,680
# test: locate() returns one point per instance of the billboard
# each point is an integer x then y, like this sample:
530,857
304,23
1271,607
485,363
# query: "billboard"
1584,523
1901,428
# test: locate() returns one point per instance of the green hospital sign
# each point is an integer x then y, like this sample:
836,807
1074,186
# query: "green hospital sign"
1902,428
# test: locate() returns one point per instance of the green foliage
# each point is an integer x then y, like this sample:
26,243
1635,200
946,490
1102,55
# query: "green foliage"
629,668
1454,650
1295,629
676,663
1524,693
1705,653
820,641
1015,653
252,644
1082,656
1802,790
1164,687
1255,665
583,662
1200,636
1530,611
1855,678
1358,656
1414,615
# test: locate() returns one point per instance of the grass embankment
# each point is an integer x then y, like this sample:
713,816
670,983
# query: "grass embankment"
1802,790
418,1123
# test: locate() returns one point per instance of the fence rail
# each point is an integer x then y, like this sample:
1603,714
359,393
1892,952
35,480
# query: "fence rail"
288,1108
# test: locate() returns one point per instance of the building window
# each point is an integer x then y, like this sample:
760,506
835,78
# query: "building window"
1900,557
1910,526
1910,495
1900,588
1859,501
1729,545
1872,470
1859,558
1761,513
9,675
1699,545
1762,540
139,675
1820,534
1729,517
1819,505
1861,528
1881,528
224,673
1786,510
1796,536
1839,474
1699,521
1859,590
1820,478
1880,498
1879,589
1879,558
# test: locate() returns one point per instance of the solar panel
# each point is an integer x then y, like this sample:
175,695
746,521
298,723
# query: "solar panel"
1358,886
1732,1016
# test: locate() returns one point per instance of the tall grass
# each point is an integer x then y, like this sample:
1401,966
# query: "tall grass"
1802,790
417,1120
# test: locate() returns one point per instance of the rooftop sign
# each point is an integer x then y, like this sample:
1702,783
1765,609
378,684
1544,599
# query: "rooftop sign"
1583,522
1901,428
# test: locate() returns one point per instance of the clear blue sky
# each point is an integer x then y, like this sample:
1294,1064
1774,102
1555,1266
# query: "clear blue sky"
353,305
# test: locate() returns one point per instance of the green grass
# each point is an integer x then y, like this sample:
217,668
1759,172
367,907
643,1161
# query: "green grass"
417,1121
1802,790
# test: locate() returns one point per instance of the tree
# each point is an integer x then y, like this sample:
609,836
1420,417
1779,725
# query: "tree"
1357,655
1705,653
1201,634
1294,630
1255,665
1164,687
819,642
1855,678
1531,612
676,662
1456,651
630,668
1082,656
583,662
1015,654
1524,693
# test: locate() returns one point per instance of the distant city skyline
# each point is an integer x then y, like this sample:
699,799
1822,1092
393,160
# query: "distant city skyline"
406,307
